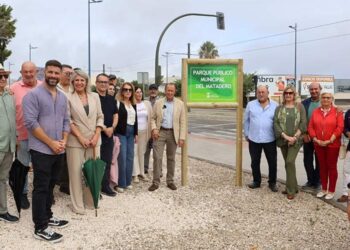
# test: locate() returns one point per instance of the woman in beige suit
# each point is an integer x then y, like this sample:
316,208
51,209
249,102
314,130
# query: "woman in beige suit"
144,114
84,141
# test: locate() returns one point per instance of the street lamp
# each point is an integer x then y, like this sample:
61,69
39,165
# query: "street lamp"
89,43
220,25
295,28
30,51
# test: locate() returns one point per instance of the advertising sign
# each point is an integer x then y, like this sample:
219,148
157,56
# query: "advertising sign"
327,83
212,83
275,83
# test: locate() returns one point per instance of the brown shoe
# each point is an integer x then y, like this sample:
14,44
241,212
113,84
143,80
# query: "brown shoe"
343,198
290,196
172,186
153,187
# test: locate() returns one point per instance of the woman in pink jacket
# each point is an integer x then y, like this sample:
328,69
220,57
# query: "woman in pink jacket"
325,129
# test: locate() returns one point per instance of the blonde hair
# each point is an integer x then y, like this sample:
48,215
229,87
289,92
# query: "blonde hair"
324,93
295,94
83,75
119,96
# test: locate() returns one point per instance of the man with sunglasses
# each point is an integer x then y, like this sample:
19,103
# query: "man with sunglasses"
64,86
7,142
64,83
259,132
20,89
312,170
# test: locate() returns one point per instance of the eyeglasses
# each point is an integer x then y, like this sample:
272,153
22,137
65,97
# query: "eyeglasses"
68,73
126,90
326,97
103,82
288,93
4,76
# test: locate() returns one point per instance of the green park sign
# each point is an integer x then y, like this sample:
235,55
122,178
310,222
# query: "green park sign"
212,83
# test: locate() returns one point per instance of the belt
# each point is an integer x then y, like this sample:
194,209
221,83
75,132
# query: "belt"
168,129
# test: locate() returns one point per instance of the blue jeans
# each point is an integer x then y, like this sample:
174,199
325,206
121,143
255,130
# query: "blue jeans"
126,157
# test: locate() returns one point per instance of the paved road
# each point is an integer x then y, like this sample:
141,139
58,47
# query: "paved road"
213,123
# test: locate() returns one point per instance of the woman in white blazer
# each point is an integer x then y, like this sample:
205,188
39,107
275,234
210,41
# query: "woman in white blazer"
144,114
84,140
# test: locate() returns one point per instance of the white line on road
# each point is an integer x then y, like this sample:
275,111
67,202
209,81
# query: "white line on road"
209,125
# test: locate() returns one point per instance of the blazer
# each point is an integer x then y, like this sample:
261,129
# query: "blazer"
323,127
149,118
122,119
85,123
179,119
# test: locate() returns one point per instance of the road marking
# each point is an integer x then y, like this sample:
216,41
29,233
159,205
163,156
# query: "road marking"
198,125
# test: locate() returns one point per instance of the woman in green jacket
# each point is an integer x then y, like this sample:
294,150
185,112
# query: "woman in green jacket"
289,125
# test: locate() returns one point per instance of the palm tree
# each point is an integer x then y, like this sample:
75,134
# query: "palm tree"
7,31
208,50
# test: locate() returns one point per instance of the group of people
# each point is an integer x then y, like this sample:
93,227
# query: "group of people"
59,124
315,123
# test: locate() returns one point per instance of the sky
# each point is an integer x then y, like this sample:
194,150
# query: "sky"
124,34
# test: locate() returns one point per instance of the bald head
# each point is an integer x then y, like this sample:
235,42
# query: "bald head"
262,93
315,90
28,72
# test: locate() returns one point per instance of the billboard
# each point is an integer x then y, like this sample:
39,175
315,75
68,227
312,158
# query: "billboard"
275,83
212,83
327,83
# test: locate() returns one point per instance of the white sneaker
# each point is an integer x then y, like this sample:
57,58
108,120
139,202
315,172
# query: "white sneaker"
320,194
120,190
329,196
129,187
135,179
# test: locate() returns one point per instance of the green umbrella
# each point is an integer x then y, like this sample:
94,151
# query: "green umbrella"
93,170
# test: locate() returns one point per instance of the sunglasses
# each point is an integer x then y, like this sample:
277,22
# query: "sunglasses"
103,82
4,76
288,93
126,90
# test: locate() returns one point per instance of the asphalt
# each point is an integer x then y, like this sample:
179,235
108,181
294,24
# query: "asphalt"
223,152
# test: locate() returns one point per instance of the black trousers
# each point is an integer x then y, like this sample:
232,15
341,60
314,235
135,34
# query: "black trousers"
64,176
46,169
270,150
106,153
312,172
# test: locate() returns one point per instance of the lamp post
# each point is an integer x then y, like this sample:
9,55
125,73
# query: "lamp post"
295,28
220,25
89,42
30,51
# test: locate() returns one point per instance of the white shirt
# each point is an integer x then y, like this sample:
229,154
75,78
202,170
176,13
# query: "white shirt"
131,115
142,116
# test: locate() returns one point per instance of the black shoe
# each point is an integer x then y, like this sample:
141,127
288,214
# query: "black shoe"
253,185
146,171
64,190
48,235
273,188
8,218
24,201
108,191
153,187
55,222
171,186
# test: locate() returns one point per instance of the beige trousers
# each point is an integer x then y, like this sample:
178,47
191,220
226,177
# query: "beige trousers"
139,155
6,159
79,192
166,137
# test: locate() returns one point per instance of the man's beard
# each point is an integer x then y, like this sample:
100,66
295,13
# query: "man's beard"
51,81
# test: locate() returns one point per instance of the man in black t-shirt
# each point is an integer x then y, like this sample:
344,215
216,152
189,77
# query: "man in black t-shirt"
109,109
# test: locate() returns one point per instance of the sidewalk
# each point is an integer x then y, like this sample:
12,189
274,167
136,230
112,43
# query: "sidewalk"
223,152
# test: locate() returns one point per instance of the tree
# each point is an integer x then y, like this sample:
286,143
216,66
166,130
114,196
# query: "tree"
208,50
7,31
248,86
178,87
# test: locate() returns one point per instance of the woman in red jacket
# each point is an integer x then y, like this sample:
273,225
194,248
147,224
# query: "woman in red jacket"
325,129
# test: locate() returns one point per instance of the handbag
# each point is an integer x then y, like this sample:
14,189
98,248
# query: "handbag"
343,147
